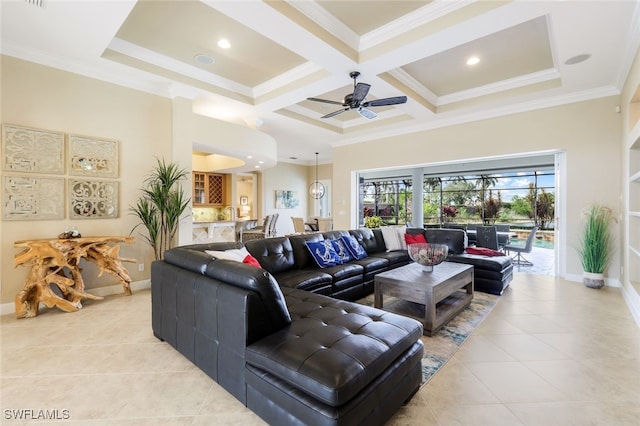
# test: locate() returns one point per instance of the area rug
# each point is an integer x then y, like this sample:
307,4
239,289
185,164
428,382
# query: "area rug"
439,348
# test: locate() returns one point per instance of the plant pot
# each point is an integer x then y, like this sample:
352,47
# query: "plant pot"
593,280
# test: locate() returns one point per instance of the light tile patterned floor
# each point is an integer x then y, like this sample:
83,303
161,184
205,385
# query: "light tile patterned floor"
542,259
550,353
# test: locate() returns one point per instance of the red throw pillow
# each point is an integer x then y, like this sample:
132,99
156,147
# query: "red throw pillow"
414,239
250,260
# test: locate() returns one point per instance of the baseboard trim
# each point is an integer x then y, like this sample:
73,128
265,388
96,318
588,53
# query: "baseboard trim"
10,308
633,303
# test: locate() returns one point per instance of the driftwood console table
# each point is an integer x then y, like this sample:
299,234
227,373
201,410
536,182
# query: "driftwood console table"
51,258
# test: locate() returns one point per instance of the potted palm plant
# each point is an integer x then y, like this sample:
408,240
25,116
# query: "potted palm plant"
161,206
596,244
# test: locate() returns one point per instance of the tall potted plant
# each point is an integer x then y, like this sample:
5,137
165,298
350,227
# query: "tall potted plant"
596,244
161,206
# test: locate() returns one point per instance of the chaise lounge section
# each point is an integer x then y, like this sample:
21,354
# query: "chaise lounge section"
290,355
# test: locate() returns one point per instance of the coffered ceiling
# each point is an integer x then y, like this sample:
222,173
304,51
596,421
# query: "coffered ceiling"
283,52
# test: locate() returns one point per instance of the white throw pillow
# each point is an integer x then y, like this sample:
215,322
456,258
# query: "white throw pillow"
237,255
394,237
402,229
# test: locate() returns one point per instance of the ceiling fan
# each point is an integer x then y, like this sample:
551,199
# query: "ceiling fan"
356,99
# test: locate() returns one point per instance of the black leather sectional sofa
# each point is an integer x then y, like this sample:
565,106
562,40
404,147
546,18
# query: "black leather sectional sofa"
280,339
292,356
289,261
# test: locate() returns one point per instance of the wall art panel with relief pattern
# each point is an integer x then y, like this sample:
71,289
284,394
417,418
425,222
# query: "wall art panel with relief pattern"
93,199
28,150
32,197
93,157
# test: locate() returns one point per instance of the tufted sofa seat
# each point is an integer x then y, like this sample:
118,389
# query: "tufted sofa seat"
289,261
292,356
331,352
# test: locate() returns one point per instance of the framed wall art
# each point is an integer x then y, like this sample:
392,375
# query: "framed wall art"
244,200
93,157
93,199
32,197
30,150
287,199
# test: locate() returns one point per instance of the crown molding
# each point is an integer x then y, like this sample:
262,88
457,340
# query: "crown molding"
432,11
123,76
485,114
500,86
405,78
284,79
165,62
322,17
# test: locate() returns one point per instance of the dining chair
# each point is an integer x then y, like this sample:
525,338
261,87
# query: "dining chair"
298,225
518,259
271,231
325,224
487,236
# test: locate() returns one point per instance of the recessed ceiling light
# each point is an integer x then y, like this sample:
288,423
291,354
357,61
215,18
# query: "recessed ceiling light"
473,60
223,43
577,59
204,59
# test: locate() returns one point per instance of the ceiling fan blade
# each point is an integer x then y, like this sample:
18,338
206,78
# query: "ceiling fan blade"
367,113
360,92
386,101
331,114
325,101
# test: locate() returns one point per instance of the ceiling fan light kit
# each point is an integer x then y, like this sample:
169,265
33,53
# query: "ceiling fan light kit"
356,100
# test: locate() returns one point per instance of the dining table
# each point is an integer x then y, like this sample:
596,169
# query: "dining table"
313,226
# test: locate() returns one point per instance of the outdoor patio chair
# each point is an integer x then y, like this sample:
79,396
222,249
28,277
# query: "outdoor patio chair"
518,259
487,236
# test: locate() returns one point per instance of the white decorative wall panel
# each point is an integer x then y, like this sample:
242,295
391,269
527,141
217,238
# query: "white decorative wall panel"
32,197
93,199
93,157
32,150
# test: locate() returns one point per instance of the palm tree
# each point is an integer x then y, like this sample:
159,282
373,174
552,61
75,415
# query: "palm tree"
484,182
161,206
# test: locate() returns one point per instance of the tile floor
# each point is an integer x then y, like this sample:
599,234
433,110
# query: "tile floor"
550,353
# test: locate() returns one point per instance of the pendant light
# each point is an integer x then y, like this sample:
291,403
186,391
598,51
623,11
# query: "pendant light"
316,189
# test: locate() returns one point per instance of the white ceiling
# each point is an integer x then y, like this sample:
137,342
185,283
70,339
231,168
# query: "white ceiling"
283,52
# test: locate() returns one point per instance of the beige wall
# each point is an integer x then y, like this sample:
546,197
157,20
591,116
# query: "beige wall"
46,98
285,176
589,133
32,95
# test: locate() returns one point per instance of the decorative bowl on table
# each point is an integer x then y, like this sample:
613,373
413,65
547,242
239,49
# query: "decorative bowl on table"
428,255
